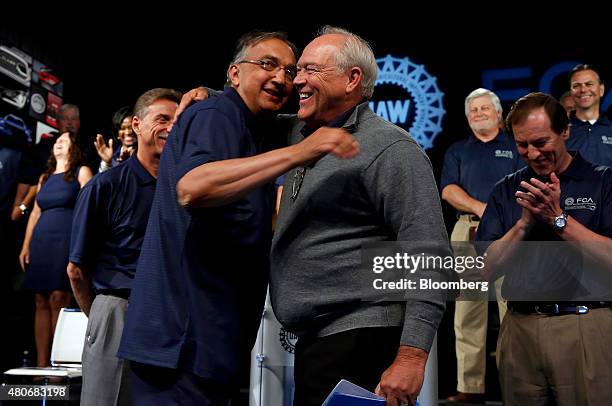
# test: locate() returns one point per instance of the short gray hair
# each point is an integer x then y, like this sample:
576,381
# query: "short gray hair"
355,52
479,93
141,108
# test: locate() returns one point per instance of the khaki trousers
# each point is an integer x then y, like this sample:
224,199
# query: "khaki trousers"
556,360
471,320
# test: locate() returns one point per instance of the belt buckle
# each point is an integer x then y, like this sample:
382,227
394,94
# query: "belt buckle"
582,309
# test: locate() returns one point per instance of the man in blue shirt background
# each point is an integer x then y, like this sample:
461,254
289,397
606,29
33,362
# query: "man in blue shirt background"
471,167
109,224
590,131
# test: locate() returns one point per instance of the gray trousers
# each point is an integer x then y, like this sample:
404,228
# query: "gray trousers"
104,375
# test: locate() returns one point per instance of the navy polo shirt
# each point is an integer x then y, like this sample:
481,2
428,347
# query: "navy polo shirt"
109,223
201,281
593,141
476,166
548,272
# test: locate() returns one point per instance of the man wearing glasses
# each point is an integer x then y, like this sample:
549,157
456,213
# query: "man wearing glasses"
200,285
329,208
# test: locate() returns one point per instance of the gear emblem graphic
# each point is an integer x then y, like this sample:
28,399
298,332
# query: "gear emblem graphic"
287,340
423,88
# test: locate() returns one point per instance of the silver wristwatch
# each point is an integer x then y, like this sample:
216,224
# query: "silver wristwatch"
24,209
560,221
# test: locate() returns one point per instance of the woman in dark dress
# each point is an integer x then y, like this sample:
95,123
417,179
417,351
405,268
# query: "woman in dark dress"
44,256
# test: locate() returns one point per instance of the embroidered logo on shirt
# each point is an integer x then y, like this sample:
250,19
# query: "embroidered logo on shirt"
580,203
606,140
503,154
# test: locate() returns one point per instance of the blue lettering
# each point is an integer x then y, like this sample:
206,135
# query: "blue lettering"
489,77
398,111
552,73
381,110
393,111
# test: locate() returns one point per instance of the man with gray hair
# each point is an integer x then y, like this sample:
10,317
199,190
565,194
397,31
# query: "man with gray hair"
108,227
471,168
329,208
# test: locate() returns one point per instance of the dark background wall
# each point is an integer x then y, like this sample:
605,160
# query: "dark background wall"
107,59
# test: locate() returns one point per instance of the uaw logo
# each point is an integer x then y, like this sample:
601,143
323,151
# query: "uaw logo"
503,154
287,340
606,140
408,96
580,203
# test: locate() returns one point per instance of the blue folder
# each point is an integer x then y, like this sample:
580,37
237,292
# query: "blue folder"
348,394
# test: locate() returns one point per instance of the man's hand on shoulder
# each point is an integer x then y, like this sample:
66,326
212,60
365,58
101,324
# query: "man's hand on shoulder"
402,381
192,96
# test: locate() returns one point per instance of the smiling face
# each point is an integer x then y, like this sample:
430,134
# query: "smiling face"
482,116
263,91
321,86
152,129
586,89
62,146
126,133
542,148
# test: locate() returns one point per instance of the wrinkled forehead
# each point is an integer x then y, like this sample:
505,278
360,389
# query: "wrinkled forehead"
481,101
585,76
322,50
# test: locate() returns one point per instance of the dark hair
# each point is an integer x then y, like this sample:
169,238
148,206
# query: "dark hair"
526,104
150,96
582,67
75,159
255,37
119,116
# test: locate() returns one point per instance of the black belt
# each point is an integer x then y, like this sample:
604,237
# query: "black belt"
555,308
121,293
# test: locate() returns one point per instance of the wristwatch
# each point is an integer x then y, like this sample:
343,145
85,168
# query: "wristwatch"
560,221
24,209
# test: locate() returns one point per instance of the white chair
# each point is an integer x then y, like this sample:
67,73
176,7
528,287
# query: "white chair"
66,350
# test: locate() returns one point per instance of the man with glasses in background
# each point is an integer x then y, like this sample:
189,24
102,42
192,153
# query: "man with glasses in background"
200,285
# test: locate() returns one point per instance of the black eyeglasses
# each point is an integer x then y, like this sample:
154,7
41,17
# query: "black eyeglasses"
273,66
298,178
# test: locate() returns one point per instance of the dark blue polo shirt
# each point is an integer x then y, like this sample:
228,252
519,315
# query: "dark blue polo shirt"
476,166
540,271
201,281
593,141
109,223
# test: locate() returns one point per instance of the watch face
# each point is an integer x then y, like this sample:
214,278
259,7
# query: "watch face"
560,222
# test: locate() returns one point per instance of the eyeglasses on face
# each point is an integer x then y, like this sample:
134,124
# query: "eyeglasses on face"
273,66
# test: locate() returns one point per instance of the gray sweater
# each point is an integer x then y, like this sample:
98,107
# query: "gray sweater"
386,193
